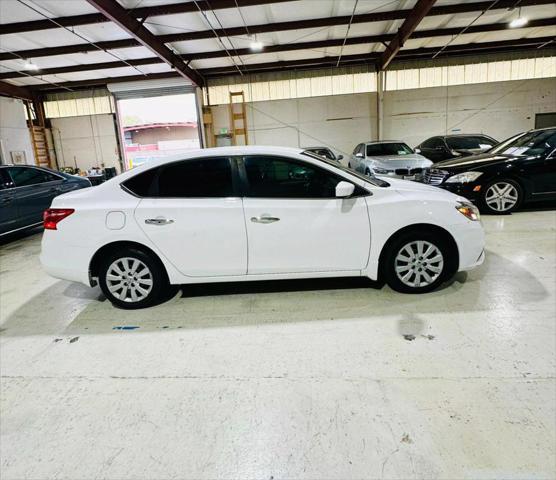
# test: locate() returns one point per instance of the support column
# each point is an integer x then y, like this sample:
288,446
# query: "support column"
381,79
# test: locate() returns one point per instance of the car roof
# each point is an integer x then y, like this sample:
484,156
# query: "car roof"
376,142
465,135
314,148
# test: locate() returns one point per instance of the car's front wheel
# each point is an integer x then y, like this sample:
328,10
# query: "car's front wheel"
131,278
502,196
418,262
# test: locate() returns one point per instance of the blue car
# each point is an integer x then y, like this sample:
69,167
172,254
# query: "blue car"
27,191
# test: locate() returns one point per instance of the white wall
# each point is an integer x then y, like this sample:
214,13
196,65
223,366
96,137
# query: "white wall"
337,121
87,141
498,109
343,121
14,134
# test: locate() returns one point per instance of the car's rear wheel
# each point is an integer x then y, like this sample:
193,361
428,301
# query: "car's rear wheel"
502,196
418,262
131,278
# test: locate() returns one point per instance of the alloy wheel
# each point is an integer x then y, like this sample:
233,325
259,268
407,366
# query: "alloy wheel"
129,279
419,263
501,196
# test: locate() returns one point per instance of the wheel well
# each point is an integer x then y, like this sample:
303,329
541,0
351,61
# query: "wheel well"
429,228
107,249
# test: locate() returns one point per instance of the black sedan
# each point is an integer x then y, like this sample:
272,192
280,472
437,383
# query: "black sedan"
444,147
519,170
27,191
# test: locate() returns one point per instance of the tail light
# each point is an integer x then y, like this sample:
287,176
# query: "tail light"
52,216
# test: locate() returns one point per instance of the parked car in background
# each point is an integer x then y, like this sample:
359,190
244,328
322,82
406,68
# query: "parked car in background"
324,152
164,223
454,146
27,191
388,157
519,170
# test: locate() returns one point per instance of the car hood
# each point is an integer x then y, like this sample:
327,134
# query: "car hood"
418,190
475,161
413,160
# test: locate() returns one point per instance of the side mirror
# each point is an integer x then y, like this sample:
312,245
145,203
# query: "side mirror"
417,150
344,189
339,157
359,155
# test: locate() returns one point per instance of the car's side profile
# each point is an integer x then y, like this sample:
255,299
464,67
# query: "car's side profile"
444,147
26,192
238,214
520,170
392,158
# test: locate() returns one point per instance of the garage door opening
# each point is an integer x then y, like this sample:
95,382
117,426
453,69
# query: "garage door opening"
155,127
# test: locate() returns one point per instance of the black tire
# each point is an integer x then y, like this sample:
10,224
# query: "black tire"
349,165
390,262
158,287
501,183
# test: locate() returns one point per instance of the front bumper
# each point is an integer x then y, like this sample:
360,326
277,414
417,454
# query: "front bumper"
472,191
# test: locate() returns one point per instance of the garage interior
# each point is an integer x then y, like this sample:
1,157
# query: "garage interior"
337,378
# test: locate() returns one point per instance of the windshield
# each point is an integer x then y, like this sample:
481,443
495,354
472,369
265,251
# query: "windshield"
470,143
530,144
379,149
375,181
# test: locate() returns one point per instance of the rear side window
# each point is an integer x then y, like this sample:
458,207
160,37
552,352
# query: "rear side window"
5,180
25,176
203,178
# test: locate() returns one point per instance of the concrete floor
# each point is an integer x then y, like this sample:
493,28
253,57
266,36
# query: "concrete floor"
297,380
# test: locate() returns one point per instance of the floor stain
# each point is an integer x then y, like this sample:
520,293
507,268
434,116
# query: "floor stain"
428,337
409,338
125,327
74,339
406,438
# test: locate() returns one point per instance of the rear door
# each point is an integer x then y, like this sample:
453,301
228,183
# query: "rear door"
194,215
9,215
34,190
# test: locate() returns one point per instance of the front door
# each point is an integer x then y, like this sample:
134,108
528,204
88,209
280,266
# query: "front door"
194,217
296,224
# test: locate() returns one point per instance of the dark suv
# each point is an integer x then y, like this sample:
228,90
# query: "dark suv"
454,146
520,169
27,191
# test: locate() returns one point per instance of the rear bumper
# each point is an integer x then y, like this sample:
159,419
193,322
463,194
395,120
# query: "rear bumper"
64,261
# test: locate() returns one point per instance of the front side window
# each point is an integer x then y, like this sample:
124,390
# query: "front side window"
200,178
394,148
531,144
25,176
277,177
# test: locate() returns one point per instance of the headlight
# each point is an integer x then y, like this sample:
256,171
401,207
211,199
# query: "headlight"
465,177
469,210
380,171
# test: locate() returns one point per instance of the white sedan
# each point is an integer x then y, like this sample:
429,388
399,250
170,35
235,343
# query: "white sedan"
255,213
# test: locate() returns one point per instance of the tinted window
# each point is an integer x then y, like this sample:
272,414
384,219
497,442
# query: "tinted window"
463,143
323,152
356,149
24,176
532,143
379,149
276,177
5,180
428,143
208,177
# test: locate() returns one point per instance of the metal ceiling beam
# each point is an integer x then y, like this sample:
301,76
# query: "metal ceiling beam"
278,48
419,11
142,13
521,45
276,27
9,90
119,15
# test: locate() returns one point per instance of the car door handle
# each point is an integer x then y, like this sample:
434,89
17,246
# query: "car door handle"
159,221
264,218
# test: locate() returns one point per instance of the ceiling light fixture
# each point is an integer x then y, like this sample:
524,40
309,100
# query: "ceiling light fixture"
519,21
255,45
29,65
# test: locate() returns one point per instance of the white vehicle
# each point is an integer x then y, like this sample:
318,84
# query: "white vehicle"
390,158
255,213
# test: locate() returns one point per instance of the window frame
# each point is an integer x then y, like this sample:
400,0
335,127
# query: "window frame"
240,159
236,183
